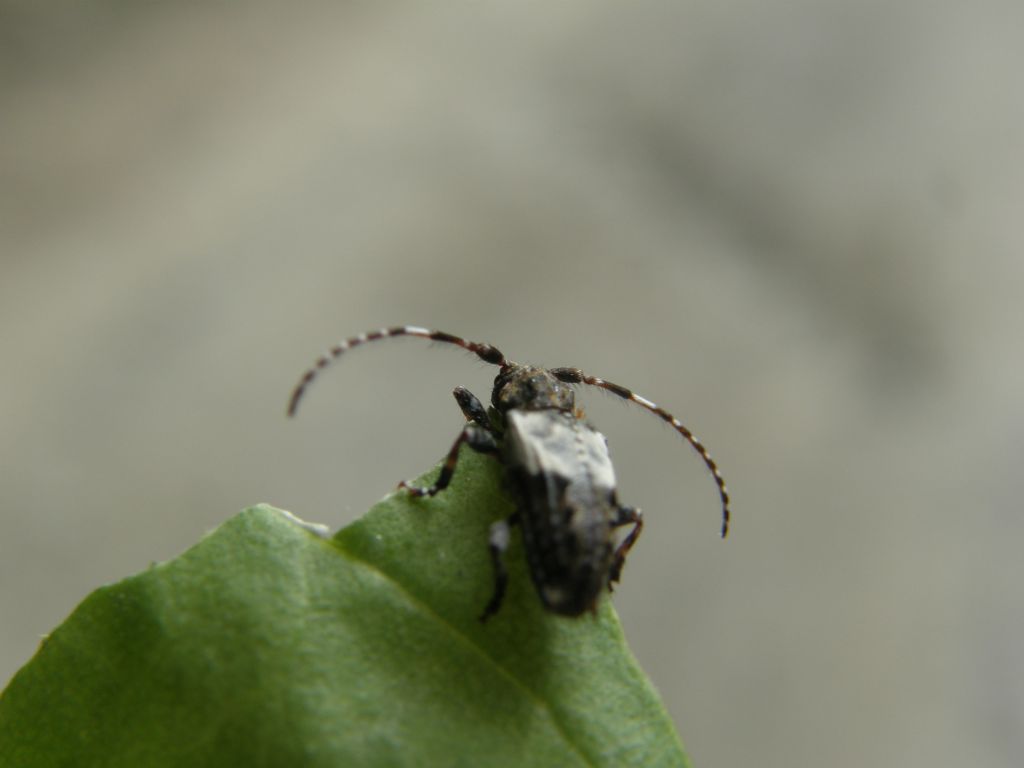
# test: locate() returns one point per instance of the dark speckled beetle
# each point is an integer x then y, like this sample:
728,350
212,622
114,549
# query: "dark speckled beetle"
557,467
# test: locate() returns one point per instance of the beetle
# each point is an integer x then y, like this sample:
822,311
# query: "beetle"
557,467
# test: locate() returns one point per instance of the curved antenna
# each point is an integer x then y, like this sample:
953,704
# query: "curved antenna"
485,352
576,376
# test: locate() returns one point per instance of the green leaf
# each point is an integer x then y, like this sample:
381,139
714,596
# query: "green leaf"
268,645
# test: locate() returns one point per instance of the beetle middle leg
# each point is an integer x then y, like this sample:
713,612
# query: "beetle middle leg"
624,516
475,437
498,541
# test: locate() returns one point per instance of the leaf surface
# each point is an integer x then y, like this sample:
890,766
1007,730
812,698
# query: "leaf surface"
268,645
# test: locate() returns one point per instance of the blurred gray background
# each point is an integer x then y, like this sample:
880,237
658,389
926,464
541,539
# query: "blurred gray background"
794,224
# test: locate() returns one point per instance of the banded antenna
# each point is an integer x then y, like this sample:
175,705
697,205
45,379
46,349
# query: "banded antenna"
576,376
485,352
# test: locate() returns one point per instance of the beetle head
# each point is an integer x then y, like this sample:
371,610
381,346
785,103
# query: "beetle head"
531,389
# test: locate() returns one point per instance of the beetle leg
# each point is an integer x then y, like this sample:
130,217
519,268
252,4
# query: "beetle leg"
476,438
472,408
625,516
498,541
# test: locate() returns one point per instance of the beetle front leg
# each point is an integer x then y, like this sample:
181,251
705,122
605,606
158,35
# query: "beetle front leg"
477,438
625,516
498,541
472,408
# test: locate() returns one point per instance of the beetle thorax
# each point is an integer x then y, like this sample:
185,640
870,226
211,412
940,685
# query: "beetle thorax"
531,389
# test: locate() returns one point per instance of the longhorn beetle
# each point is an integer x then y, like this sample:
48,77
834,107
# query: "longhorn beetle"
557,467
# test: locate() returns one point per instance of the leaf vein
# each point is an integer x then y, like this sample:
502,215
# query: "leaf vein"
466,640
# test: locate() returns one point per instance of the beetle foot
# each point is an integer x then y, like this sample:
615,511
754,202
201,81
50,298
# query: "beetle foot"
415,490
